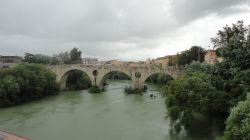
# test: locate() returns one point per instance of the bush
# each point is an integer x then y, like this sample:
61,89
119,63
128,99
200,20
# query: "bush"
95,89
9,90
238,123
24,83
131,90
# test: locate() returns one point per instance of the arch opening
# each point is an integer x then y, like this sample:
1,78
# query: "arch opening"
114,75
75,80
159,79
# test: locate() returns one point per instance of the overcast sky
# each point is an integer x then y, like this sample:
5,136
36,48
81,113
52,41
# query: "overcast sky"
114,29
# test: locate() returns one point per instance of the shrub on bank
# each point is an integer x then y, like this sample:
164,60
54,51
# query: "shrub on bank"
95,89
131,90
24,83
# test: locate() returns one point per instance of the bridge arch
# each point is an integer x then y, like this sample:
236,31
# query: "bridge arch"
64,76
147,76
105,76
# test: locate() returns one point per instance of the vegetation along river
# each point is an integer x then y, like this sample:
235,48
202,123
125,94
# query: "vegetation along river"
78,115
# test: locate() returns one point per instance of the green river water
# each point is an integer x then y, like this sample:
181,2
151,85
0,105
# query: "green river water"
79,115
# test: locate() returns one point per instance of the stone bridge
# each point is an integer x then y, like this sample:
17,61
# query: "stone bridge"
98,73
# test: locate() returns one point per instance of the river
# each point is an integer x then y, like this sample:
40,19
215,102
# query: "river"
79,115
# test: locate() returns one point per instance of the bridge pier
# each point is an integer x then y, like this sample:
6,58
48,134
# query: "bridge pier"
137,84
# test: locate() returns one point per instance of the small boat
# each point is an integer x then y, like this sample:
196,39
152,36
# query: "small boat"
9,136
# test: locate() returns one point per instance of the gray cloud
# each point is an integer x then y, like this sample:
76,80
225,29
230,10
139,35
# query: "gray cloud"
108,29
189,10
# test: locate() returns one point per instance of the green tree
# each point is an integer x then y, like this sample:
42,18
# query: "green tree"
64,58
75,56
212,89
164,79
72,57
38,59
26,82
190,95
234,45
9,90
28,57
195,53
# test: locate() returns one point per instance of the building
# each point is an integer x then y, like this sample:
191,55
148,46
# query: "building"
163,61
116,63
210,57
101,62
9,61
89,61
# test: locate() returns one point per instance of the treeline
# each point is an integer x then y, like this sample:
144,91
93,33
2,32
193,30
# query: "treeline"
211,91
24,83
76,79
72,57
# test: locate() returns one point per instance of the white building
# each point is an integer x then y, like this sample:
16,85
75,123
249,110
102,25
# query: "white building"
89,61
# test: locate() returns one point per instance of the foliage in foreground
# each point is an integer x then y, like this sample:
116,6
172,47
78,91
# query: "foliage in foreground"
193,94
24,83
238,123
212,90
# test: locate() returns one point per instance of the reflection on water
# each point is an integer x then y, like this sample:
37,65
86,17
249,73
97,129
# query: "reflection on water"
111,115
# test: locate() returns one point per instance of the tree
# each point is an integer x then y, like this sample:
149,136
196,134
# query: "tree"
28,57
164,79
26,82
63,58
9,90
195,53
38,58
234,45
190,95
213,89
75,56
